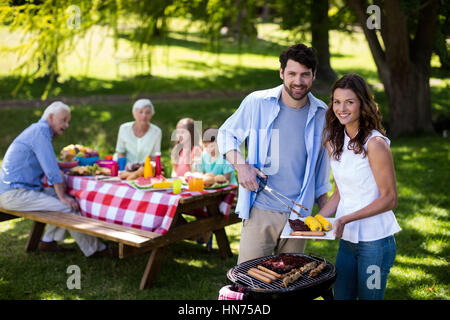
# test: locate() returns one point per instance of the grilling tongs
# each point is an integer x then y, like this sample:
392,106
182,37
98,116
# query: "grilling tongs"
263,186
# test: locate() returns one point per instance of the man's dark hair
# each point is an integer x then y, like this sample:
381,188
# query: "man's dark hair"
301,54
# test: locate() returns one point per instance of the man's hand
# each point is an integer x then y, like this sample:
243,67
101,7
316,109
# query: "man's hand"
247,176
71,203
64,198
246,173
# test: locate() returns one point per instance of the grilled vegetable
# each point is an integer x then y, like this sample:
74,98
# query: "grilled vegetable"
313,223
326,225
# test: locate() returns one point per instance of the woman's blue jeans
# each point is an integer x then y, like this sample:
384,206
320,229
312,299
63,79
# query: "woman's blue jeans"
362,269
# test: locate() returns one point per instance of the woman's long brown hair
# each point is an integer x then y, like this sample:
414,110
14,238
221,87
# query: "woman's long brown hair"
370,117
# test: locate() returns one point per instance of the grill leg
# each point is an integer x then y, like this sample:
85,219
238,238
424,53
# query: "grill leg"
328,294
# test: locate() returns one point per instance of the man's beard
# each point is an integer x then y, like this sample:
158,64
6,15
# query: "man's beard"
291,94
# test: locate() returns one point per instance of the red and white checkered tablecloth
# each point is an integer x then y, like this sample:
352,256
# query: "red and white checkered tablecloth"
120,203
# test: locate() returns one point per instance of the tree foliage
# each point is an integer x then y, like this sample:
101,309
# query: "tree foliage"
402,49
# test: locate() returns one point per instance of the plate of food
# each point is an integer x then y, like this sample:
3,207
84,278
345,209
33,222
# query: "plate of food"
316,227
217,185
89,171
152,184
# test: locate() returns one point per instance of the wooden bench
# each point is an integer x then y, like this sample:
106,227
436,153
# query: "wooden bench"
110,231
134,241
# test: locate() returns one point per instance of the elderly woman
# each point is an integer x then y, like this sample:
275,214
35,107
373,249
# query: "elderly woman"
140,138
29,157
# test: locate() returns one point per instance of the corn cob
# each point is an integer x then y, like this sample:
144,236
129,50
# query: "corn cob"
313,223
326,225
162,185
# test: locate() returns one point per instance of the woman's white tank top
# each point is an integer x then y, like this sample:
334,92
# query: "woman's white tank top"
357,189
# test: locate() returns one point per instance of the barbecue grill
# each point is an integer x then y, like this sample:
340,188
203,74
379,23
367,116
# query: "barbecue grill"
305,287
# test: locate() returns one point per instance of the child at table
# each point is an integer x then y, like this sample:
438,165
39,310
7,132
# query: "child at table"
212,161
187,150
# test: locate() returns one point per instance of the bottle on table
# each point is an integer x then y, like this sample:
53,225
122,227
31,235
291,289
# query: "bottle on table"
148,170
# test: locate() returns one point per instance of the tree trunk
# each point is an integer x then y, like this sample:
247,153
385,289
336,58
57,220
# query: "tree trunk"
320,40
404,65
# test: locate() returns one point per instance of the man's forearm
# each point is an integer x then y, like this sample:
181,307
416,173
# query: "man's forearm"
322,200
60,190
235,158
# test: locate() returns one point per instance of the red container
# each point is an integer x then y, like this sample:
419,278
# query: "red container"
114,170
158,165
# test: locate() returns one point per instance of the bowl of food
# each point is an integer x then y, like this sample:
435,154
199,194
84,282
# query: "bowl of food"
64,165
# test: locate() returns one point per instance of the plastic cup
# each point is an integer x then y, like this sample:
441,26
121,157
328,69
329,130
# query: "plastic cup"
191,184
122,163
198,184
176,186
114,170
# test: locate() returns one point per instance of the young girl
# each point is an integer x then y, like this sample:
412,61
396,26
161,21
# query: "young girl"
187,150
212,161
365,191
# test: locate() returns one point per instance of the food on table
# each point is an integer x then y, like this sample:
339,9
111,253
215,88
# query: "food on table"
315,272
326,225
124,175
162,185
77,150
208,180
89,171
136,174
144,182
220,178
298,225
313,223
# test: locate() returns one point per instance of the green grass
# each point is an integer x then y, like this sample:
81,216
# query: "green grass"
189,271
182,63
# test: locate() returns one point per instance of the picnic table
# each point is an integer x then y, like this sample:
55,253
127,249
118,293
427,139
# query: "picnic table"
139,221
157,211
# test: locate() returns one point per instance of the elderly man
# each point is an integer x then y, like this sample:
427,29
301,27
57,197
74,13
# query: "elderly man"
283,130
27,160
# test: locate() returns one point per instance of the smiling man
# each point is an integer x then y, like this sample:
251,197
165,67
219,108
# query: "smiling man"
28,159
282,128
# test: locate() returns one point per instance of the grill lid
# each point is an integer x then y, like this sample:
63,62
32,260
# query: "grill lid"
238,275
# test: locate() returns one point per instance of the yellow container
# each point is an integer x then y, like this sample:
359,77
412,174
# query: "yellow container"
148,170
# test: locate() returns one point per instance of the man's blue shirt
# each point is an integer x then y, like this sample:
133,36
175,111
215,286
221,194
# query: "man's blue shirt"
29,157
253,123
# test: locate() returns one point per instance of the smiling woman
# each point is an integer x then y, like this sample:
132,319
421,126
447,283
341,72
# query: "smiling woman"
140,138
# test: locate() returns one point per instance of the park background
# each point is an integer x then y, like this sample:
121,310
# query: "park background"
199,59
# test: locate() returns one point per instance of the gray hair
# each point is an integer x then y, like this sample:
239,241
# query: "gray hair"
55,108
142,103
